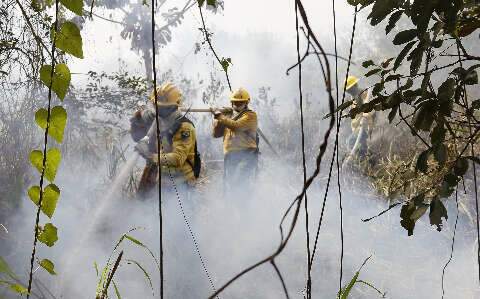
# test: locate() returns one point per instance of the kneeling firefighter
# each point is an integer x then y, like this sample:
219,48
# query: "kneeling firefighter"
240,141
179,159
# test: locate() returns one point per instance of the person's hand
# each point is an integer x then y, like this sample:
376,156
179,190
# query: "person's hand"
142,149
217,114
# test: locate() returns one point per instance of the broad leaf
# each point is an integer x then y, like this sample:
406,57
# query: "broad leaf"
58,120
460,167
422,161
368,63
440,153
437,212
393,21
69,39
52,162
18,288
75,6
48,235
402,55
404,36
48,265
61,78
49,198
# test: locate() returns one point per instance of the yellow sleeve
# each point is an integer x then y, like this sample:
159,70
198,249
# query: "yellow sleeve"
248,121
183,143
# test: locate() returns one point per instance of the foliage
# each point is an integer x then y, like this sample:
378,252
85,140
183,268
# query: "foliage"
445,114
109,269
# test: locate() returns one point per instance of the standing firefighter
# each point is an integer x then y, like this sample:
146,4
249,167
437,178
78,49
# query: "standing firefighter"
362,124
240,141
179,159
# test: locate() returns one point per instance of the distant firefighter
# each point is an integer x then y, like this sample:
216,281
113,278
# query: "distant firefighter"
179,159
362,124
240,141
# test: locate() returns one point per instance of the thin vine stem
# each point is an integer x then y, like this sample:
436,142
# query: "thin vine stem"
44,159
159,168
207,38
304,163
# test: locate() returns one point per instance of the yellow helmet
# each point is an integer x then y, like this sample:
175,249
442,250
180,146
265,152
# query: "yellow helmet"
240,95
351,81
167,95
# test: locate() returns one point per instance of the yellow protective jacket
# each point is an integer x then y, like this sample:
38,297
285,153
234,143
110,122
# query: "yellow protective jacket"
177,157
362,119
239,133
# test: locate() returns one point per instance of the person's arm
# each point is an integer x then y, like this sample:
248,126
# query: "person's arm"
182,144
140,123
218,129
247,121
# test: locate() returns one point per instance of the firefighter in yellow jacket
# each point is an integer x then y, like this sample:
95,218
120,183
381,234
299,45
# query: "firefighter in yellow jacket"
179,158
240,140
362,124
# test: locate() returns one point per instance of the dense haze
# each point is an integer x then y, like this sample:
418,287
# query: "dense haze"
233,233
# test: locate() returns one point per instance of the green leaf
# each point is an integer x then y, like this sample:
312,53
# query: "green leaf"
445,190
446,91
380,10
460,167
416,57
75,6
393,21
405,214
438,134
386,63
346,291
48,235
440,153
392,114
49,198
61,78
423,118
422,161
69,39
225,62
58,120
368,63
48,265
18,288
117,292
52,162
402,55
212,3
200,2
404,36
418,212
145,273
471,78
437,212
372,72
5,268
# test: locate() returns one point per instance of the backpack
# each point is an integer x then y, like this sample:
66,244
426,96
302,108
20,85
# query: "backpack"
197,161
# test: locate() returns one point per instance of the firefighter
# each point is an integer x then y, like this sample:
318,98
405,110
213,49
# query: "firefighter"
240,141
362,124
179,159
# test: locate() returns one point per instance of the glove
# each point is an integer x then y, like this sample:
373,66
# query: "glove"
217,114
142,149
